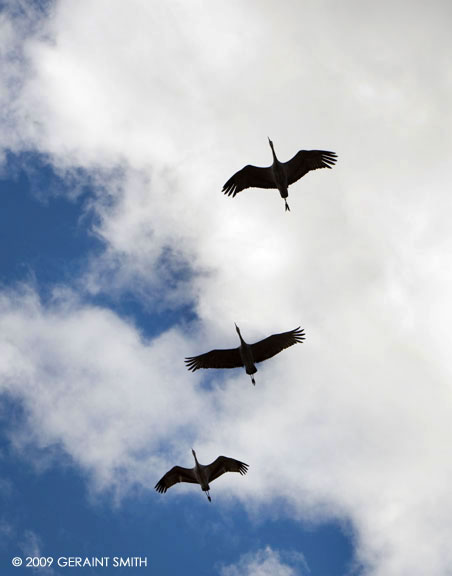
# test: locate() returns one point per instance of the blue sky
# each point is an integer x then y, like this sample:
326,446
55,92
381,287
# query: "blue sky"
119,256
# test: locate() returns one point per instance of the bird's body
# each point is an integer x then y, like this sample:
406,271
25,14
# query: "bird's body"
279,175
246,355
200,474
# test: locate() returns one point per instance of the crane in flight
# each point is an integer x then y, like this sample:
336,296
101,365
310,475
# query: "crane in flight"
200,474
246,355
279,175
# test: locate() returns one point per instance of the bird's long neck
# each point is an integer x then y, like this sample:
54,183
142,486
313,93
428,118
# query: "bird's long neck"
275,159
242,341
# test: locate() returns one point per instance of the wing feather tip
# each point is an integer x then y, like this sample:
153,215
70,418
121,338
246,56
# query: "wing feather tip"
191,363
243,468
160,488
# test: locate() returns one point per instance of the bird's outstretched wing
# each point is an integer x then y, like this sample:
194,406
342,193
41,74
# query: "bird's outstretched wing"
276,343
175,475
224,464
249,177
215,359
306,160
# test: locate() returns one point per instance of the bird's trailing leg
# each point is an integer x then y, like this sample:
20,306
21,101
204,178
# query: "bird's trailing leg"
287,206
253,380
208,496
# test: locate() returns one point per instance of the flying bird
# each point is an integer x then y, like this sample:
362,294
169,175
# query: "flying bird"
201,474
246,355
279,175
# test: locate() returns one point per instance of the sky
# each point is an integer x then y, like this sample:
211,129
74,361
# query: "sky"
119,256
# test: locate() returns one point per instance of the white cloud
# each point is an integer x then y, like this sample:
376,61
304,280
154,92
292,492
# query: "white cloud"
31,544
5,531
353,424
90,384
267,562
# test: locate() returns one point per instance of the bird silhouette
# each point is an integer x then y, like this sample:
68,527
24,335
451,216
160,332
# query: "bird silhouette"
279,175
200,474
246,355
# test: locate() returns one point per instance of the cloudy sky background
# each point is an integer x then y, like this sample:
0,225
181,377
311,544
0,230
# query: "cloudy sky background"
125,120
